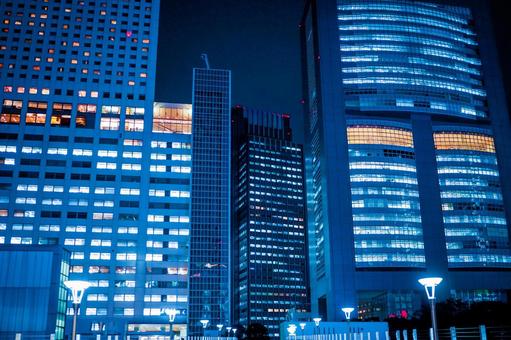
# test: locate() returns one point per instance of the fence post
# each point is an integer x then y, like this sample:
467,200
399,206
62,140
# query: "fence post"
18,336
398,335
453,332
405,334
52,336
98,337
414,334
368,335
387,337
482,330
78,337
377,335
431,334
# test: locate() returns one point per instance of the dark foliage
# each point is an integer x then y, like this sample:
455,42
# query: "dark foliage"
256,331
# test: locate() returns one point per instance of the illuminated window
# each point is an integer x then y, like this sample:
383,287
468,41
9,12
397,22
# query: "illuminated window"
134,125
36,113
107,109
361,134
463,141
172,118
61,114
108,123
11,111
85,117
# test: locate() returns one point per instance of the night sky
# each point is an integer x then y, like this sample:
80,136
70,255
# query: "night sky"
257,39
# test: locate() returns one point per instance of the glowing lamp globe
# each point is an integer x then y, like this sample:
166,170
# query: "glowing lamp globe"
429,284
77,289
347,312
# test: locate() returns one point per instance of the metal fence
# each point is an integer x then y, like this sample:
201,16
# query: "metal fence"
27,336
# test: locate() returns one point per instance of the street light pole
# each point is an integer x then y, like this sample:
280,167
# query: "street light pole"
77,289
204,323
430,284
347,313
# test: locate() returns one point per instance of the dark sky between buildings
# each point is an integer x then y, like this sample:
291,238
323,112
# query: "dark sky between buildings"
259,41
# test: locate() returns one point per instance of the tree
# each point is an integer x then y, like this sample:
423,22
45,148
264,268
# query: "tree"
256,331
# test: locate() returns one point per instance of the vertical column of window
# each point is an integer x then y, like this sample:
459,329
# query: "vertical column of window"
9,188
472,204
168,229
315,145
385,199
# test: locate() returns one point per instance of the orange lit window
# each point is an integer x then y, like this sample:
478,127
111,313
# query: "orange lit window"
174,118
364,134
11,110
463,141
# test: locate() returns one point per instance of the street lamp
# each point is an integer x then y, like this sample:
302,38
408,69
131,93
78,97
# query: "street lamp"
204,323
316,320
302,326
347,313
430,284
77,289
219,326
291,329
171,313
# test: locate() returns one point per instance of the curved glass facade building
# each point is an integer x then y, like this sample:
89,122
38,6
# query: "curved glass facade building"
406,149
410,56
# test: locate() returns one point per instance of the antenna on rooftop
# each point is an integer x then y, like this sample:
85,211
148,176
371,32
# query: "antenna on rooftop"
204,57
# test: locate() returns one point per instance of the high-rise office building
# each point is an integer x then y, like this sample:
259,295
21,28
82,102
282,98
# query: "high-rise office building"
269,238
209,298
407,154
87,165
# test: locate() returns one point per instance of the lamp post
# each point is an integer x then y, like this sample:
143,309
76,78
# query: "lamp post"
171,313
77,289
347,313
291,329
204,323
316,320
430,284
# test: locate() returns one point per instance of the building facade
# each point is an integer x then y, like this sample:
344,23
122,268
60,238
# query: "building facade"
33,302
85,163
269,239
407,154
209,298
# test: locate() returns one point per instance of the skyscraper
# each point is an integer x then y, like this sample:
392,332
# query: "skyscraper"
210,221
269,236
407,157
86,165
